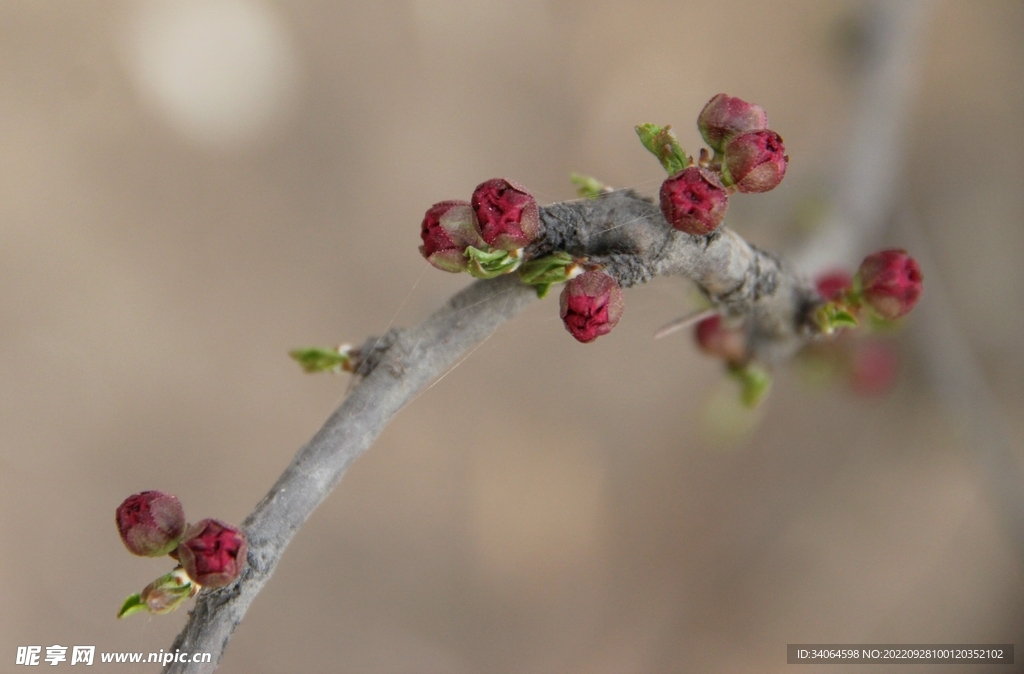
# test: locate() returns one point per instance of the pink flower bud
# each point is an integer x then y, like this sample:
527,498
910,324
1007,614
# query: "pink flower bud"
508,214
213,553
833,285
725,117
694,201
715,339
591,305
891,282
448,228
755,161
150,523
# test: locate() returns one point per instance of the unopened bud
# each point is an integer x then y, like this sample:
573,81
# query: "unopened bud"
834,284
213,553
725,117
508,215
755,161
591,305
150,523
890,282
694,201
716,339
448,228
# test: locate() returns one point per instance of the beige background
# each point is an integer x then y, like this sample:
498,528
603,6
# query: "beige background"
189,190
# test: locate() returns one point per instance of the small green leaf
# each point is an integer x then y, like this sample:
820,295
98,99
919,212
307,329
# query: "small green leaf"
554,268
485,264
755,383
833,315
588,187
663,144
132,604
844,318
542,289
316,359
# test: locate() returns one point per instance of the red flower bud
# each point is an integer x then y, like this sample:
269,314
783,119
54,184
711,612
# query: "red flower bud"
725,117
591,305
891,282
213,553
694,201
448,228
508,214
715,339
150,523
755,161
834,284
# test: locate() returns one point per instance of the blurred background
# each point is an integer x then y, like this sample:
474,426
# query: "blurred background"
191,188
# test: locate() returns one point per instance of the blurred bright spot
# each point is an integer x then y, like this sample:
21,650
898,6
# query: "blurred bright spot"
219,71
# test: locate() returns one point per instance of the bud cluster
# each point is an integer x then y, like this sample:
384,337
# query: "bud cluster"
886,287
211,553
487,237
888,284
748,157
484,236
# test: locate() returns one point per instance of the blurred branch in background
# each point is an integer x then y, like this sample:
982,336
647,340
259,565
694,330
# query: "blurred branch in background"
959,382
868,172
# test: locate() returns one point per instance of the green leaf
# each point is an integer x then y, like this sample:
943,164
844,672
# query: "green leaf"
588,187
833,315
755,383
663,144
555,268
316,359
542,289
132,604
844,318
487,264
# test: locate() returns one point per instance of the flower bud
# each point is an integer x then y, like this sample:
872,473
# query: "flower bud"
213,553
150,523
833,285
448,228
725,117
755,161
591,305
508,214
715,339
694,201
890,282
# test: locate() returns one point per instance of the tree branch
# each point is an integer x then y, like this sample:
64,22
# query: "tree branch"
622,231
